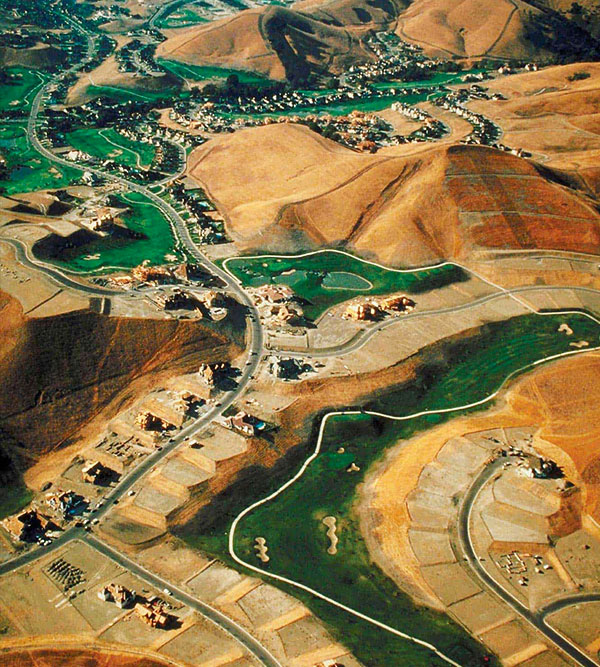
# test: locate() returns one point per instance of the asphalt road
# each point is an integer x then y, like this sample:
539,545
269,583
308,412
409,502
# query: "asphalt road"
537,618
256,349
225,623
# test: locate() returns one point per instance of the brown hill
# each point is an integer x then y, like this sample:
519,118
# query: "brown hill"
293,190
60,372
40,56
320,39
553,117
282,43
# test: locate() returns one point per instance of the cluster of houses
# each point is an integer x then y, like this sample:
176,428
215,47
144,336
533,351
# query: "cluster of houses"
205,223
395,60
151,611
375,309
147,275
278,304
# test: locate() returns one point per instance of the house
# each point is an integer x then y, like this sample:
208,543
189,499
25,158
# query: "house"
93,472
28,525
152,614
246,424
118,594
362,311
275,293
103,220
66,502
396,303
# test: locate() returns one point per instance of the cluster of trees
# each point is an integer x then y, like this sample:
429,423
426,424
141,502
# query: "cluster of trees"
233,88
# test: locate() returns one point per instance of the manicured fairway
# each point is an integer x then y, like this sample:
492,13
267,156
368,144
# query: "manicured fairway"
203,73
462,372
109,253
27,169
326,278
180,18
108,143
18,93
129,95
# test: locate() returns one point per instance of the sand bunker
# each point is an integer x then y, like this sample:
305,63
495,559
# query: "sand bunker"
565,328
330,522
581,343
261,549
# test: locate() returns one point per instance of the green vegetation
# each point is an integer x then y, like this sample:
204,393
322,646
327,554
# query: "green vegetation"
17,85
27,170
181,18
579,76
327,278
14,497
108,143
457,372
128,95
116,252
202,73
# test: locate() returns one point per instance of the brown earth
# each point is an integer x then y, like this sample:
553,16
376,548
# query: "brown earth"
276,42
40,55
555,119
323,38
292,190
74,658
562,398
62,373
107,74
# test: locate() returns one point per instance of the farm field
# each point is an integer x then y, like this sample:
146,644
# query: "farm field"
328,277
108,143
465,371
114,253
17,93
28,171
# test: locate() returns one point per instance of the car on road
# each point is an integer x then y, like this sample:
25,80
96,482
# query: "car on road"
166,591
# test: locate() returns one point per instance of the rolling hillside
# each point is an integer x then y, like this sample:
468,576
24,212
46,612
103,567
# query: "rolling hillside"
292,190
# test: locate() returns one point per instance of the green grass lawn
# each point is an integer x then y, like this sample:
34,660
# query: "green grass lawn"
109,253
311,277
127,94
459,372
27,169
204,73
108,143
180,18
18,93
14,497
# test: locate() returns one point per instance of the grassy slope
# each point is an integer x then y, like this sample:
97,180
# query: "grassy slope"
18,91
31,170
466,371
126,253
97,143
252,272
203,73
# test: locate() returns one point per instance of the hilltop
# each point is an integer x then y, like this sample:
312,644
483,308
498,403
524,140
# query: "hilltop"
292,190
321,40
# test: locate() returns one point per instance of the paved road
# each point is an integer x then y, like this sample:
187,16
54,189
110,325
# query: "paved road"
537,618
227,624
255,350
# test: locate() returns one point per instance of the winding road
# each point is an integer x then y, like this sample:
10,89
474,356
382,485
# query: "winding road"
256,350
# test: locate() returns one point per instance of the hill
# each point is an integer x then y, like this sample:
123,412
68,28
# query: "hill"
292,190
316,39
276,42
554,114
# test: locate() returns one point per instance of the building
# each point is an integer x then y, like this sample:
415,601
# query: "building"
286,368
246,424
397,303
66,503
118,594
93,472
275,293
152,613
28,525
149,422
362,312
103,220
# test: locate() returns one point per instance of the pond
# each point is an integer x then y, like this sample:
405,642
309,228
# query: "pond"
345,280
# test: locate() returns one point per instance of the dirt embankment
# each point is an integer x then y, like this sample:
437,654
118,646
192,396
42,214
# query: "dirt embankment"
561,398
61,372
292,190
75,658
